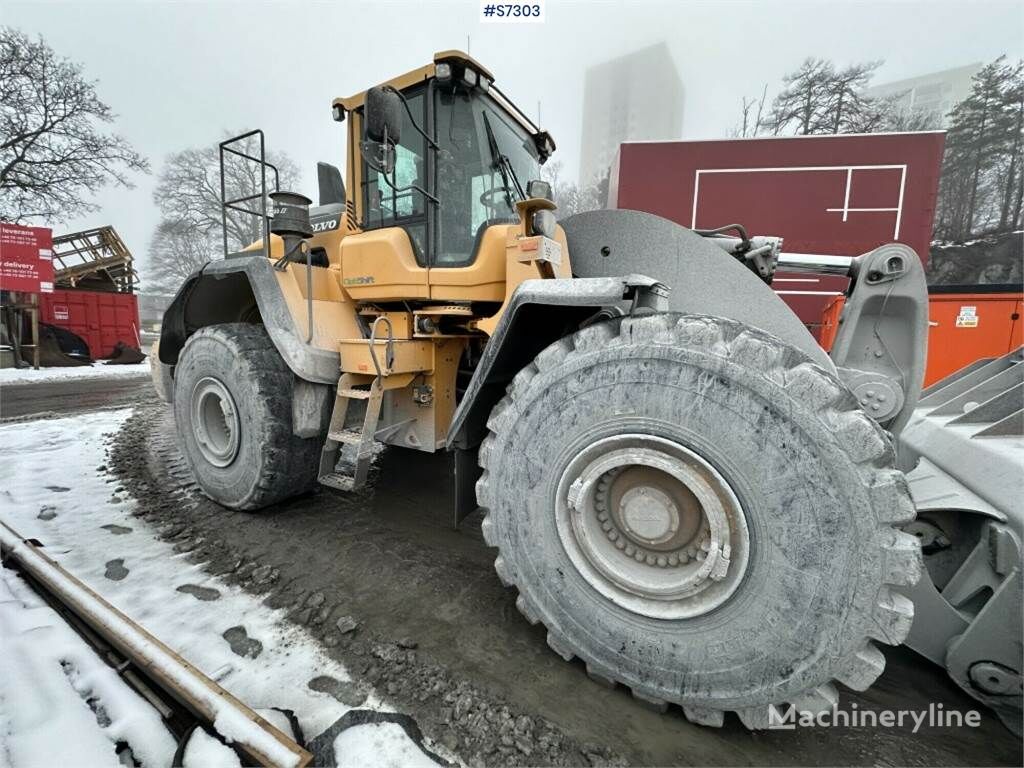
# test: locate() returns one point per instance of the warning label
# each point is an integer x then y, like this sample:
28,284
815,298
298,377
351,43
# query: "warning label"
967,317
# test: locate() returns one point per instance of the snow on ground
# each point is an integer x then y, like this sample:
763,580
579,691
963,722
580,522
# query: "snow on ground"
52,489
383,745
56,725
204,751
16,376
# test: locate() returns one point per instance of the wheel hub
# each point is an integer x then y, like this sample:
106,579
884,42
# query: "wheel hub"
648,515
653,526
215,422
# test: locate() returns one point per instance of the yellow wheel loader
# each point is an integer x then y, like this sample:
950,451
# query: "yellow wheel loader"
687,492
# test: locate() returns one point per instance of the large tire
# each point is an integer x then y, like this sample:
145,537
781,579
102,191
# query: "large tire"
814,546
233,371
163,380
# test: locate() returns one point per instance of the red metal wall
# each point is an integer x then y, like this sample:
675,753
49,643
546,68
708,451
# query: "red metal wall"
837,195
102,319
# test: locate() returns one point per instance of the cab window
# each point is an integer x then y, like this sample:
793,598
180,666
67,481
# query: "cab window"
385,206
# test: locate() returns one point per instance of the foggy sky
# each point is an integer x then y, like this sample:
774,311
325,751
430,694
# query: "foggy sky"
180,74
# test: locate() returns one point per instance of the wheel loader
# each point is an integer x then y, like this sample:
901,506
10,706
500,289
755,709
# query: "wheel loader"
685,489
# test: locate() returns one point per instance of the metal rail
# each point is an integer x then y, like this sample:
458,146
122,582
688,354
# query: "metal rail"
236,204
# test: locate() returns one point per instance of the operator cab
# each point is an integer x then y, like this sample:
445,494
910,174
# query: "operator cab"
443,155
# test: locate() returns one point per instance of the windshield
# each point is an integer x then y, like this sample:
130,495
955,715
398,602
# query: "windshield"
476,185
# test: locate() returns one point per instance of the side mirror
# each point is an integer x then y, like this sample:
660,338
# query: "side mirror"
383,114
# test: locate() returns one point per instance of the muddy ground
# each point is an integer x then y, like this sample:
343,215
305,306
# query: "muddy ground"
63,398
414,608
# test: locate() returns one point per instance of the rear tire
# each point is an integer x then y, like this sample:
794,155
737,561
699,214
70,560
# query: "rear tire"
233,411
701,513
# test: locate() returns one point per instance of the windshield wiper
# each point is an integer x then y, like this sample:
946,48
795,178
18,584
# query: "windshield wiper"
502,163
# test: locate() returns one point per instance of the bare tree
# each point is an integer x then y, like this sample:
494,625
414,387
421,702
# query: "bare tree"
54,151
818,98
750,120
176,250
188,195
571,198
803,103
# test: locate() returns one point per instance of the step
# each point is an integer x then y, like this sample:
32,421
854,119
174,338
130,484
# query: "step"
348,437
355,394
338,482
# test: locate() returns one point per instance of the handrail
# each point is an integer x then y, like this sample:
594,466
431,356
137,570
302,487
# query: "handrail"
233,204
389,360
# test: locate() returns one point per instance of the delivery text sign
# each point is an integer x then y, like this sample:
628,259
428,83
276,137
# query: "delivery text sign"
26,259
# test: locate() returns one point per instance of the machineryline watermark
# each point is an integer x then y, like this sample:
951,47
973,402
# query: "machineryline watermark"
936,716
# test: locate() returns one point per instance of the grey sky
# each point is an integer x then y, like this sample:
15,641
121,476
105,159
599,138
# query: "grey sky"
179,74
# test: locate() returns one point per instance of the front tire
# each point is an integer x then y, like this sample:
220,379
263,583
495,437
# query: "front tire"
701,513
233,411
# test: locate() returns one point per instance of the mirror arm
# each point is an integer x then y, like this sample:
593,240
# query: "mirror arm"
414,187
408,111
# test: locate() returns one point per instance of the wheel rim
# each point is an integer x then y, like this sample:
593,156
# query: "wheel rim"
652,526
215,421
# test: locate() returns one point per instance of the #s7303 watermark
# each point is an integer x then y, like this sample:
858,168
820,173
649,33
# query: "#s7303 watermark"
936,716
491,12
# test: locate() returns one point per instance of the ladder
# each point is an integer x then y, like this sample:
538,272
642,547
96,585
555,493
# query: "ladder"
348,453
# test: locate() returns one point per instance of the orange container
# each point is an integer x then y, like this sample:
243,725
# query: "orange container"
964,325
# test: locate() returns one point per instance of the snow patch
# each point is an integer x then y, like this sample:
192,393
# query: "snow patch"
60,704
19,376
204,751
66,453
384,745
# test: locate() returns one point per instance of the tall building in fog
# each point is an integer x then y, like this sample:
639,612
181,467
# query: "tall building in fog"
632,98
932,95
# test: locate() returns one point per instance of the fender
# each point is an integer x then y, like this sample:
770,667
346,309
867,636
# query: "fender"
242,289
538,313
702,278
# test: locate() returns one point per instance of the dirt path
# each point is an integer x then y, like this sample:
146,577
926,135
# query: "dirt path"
442,639
63,398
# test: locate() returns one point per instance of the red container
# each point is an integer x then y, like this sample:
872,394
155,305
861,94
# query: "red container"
833,195
102,319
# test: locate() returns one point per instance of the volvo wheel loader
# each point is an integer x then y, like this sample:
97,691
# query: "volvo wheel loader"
686,491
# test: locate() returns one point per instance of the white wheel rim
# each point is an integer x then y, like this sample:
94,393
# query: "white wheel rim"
215,423
652,526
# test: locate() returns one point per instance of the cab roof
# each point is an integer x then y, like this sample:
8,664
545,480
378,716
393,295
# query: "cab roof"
348,103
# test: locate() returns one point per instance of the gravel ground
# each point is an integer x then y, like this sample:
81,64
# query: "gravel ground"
414,608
